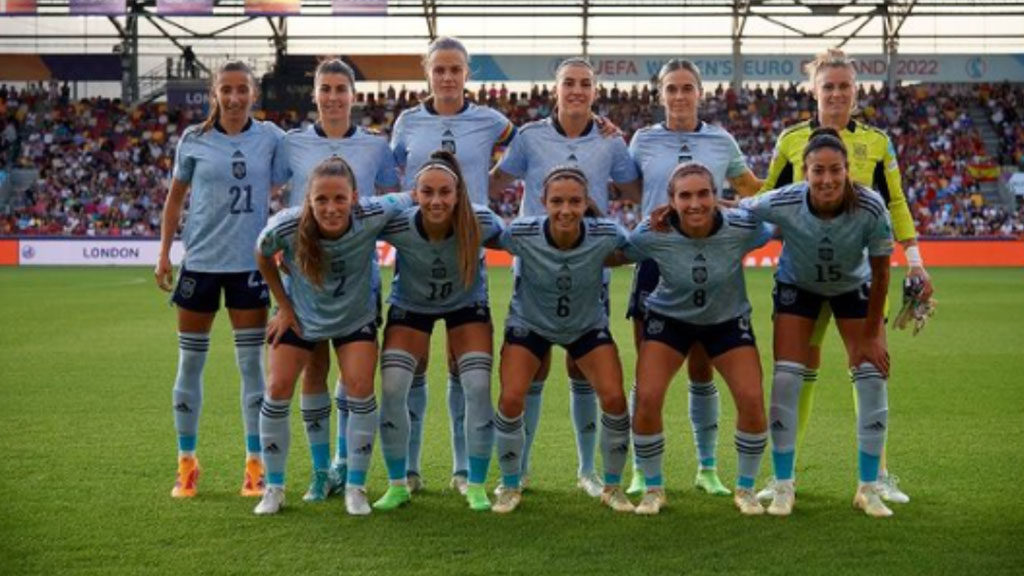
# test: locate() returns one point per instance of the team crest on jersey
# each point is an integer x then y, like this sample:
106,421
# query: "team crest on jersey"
564,283
439,271
337,266
787,296
655,327
860,150
238,165
684,153
188,287
700,274
826,254
448,141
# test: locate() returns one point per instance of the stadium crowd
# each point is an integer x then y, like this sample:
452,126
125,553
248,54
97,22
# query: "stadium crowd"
104,167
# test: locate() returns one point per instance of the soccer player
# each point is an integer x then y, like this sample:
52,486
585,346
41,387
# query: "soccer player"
371,160
227,166
873,163
558,299
441,277
446,121
327,245
571,136
657,150
701,299
837,240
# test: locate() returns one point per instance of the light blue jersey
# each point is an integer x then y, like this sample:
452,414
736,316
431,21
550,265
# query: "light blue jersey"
368,154
471,135
658,150
345,301
230,179
542,145
557,292
701,278
825,257
428,279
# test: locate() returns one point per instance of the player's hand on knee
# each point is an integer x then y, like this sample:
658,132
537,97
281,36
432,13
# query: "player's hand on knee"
282,321
874,352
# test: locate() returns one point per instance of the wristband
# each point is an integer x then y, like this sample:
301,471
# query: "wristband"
913,254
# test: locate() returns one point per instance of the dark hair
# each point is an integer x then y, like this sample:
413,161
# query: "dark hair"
681,64
308,253
828,138
229,66
571,172
467,229
335,65
688,169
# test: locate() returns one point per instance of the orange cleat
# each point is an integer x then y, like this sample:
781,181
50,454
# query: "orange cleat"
255,480
187,478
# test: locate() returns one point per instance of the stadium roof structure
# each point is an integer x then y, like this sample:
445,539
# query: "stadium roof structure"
526,26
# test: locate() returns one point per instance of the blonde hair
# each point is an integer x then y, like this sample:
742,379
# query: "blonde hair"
229,66
308,253
467,229
831,58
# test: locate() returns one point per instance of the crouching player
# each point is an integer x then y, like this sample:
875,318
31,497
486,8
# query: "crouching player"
701,298
328,245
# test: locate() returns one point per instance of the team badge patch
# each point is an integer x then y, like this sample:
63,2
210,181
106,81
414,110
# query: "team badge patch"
448,141
700,274
655,327
826,254
787,296
564,283
238,170
519,332
188,287
860,150
439,271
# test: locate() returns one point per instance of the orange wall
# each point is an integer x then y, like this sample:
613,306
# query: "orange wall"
8,252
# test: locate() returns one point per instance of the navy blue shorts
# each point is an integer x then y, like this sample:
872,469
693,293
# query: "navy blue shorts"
717,339
790,299
539,346
200,291
645,280
367,333
398,316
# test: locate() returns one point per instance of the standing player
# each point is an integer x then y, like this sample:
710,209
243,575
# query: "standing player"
441,277
328,245
571,136
837,241
229,163
873,163
370,158
446,121
657,150
558,299
701,299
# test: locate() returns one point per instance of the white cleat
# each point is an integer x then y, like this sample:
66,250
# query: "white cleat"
524,482
747,502
459,483
889,489
591,484
356,503
415,482
651,503
869,499
615,498
783,498
507,501
272,501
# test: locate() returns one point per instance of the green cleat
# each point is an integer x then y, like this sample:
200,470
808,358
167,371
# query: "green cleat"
476,495
707,480
396,496
638,485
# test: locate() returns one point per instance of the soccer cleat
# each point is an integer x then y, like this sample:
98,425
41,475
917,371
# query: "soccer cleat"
783,498
869,500
415,482
590,484
747,503
614,498
508,501
638,485
476,495
707,480
768,492
651,503
187,478
272,502
889,489
396,496
459,483
356,503
523,485
254,479
320,486
338,475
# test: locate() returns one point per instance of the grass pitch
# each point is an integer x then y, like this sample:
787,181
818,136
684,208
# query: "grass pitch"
88,360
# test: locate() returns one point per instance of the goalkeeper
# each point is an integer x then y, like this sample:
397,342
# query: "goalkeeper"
872,163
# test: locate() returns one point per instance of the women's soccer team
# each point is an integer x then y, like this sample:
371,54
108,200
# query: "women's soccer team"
689,303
